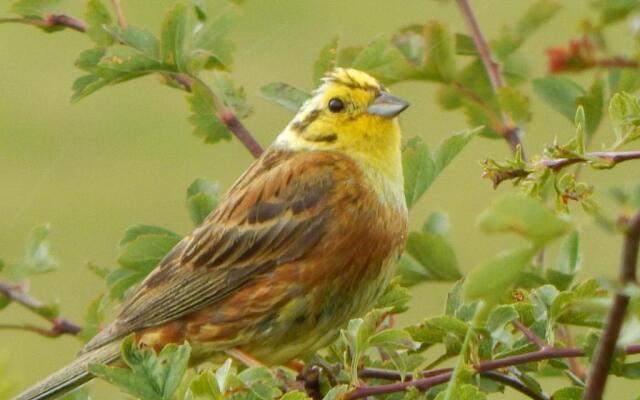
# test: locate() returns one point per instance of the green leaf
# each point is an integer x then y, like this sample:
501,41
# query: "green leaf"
146,251
123,63
212,48
89,59
568,393
295,395
462,392
536,15
93,318
203,115
384,61
568,263
202,198
136,231
140,39
393,338
395,297
260,382
559,93
357,334
454,298
515,104
624,112
326,60
175,37
443,329
284,95
421,167
432,250
336,392
36,9
439,54
614,10
149,376
204,387
37,256
525,216
233,97
464,45
593,103
624,80
491,280
98,18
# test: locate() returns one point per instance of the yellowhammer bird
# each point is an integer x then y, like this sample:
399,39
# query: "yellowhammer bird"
305,240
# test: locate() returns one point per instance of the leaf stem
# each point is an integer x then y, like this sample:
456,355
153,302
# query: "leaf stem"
605,350
510,131
444,375
51,21
60,325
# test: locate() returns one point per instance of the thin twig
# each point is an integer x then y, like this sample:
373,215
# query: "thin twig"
122,22
605,350
529,334
510,131
515,384
51,21
444,375
610,157
60,325
47,332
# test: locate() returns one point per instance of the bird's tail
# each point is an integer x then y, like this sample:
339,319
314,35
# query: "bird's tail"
71,376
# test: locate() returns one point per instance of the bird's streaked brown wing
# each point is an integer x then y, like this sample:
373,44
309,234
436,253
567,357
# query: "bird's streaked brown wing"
272,215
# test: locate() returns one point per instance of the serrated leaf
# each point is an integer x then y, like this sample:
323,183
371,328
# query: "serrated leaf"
203,387
146,251
284,95
203,115
326,60
134,232
439,58
149,376
515,104
140,39
392,338
202,198
174,42
384,61
295,395
462,392
624,112
260,382
212,48
443,329
435,255
34,8
454,299
491,280
568,393
336,392
525,216
421,167
395,297
232,96
559,93
568,262
89,59
593,103
98,19
624,80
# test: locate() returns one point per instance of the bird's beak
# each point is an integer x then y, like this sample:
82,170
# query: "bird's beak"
386,105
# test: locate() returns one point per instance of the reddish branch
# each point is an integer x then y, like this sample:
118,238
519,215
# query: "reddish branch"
432,379
605,350
122,22
51,21
611,157
59,326
509,130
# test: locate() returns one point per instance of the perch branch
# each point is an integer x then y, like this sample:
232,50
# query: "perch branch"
60,325
510,131
51,21
430,380
515,384
605,350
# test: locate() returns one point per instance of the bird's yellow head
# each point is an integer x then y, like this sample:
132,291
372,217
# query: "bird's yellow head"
350,112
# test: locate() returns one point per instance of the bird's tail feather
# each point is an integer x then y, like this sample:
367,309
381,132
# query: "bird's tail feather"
71,376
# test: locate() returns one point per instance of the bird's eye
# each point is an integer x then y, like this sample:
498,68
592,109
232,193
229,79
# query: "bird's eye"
336,105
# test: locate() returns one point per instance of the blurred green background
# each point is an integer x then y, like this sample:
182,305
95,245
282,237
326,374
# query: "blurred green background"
126,155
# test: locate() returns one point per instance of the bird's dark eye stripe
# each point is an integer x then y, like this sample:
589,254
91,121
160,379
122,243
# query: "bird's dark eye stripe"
336,105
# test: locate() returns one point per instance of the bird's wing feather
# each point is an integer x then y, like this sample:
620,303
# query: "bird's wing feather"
272,215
